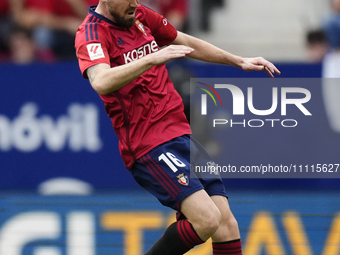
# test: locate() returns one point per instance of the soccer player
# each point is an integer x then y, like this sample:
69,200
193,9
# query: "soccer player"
119,50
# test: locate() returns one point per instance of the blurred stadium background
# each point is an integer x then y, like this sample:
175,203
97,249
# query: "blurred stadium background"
63,187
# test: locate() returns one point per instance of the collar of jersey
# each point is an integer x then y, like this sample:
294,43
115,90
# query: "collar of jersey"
92,12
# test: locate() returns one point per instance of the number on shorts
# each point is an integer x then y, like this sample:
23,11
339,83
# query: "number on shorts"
171,160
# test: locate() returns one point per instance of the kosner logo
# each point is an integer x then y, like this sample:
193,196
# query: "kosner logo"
78,130
140,52
239,104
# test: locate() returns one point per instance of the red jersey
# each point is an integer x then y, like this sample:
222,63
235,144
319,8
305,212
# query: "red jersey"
148,111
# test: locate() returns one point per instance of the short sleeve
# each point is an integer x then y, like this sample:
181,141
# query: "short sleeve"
161,29
91,47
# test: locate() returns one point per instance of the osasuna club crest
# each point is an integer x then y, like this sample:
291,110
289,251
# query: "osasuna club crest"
183,179
141,27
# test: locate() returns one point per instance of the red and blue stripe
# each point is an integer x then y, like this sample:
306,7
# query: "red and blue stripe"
91,28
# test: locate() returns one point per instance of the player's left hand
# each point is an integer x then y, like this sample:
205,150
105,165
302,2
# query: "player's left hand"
259,64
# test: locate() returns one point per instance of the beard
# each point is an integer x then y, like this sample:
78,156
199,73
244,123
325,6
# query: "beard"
122,22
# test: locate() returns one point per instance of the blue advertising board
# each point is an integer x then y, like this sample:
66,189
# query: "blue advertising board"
272,223
53,125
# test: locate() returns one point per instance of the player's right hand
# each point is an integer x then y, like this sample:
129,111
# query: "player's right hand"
259,64
171,52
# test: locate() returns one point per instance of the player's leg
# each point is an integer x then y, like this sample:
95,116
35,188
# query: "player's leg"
226,239
202,213
164,172
228,229
203,219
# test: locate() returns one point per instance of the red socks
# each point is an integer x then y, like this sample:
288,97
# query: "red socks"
188,234
231,248
179,238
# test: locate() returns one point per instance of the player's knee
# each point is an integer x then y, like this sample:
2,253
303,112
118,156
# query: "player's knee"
230,222
211,222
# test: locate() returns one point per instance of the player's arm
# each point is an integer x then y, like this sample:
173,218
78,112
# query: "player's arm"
105,79
207,52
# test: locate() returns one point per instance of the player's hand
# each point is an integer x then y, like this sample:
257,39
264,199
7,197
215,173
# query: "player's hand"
171,52
259,64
